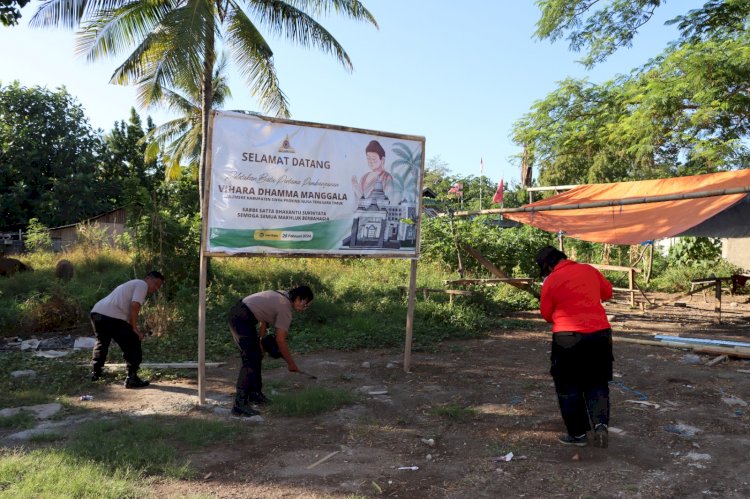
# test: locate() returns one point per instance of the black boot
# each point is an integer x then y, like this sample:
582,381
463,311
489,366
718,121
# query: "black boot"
96,374
258,398
241,407
133,381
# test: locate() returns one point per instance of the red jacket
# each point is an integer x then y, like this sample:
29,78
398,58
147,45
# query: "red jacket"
571,298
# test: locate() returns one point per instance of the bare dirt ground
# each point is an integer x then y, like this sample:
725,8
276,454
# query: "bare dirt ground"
680,427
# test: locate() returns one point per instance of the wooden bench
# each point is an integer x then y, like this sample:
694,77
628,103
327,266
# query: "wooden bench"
706,283
703,284
632,285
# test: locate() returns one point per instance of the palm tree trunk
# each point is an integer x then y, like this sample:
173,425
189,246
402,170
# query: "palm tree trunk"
208,67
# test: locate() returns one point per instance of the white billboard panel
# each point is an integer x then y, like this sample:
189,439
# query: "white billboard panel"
278,186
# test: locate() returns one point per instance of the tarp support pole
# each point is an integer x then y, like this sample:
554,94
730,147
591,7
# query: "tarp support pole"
202,329
602,204
410,315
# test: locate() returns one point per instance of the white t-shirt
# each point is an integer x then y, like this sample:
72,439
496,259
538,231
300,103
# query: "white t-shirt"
117,303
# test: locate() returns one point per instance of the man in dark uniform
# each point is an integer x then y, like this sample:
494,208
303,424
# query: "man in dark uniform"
248,320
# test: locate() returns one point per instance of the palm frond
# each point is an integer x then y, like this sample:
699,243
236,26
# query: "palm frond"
113,31
350,8
254,60
70,13
283,19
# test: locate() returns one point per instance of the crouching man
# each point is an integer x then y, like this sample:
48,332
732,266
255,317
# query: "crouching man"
115,317
248,320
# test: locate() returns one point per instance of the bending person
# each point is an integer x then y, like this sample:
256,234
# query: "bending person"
581,344
248,321
115,317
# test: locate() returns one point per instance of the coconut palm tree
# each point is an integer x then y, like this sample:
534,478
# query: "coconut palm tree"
179,140
167,39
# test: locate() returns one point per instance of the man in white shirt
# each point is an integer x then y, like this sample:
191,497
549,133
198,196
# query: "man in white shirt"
115,317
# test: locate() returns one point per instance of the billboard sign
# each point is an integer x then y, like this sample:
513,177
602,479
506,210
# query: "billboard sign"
284,187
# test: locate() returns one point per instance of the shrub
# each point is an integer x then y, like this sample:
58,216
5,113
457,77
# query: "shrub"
37,236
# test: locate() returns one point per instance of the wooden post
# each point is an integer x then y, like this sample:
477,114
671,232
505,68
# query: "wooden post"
560,242
202,329
410,315
631,280
717,292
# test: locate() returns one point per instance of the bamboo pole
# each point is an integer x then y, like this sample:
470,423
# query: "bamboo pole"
611,202
202,330
203,269
410,315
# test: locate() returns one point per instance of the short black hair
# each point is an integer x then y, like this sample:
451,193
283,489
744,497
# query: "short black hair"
303,292
547,258
156,275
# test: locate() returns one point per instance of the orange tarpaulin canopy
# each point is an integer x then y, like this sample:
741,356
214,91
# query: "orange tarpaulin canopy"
636,223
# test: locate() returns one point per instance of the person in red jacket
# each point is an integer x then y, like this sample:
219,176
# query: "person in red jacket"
581,344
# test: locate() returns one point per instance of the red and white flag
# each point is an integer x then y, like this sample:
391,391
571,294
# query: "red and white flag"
498,197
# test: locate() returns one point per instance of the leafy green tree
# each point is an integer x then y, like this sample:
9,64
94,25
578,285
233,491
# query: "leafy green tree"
168,41
10,11
686,111
37,236
436,171
127,175
49,158
599,28
511,250
691,250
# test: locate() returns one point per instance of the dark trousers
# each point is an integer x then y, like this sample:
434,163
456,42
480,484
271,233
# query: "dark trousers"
108,329
582,369
243,325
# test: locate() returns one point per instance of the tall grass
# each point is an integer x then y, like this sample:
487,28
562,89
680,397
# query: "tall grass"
154,446
51,473
357,305
38,302
310,401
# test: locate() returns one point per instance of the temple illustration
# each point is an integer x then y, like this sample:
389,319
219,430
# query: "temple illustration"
377,223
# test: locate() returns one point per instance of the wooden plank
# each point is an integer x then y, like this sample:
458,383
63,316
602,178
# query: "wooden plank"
323,459
167,365
497,272
743,353
618,268
506,280
716,360
461,292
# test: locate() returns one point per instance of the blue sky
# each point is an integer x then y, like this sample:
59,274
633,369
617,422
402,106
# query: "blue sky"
458,73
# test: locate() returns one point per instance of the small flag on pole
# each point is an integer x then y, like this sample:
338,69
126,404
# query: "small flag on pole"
481,166
498,197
